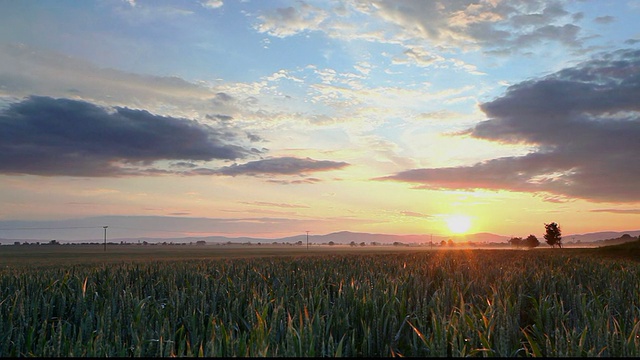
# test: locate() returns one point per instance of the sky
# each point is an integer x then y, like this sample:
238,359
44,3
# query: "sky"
273,118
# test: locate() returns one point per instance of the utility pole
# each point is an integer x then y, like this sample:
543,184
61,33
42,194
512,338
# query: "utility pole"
307,240
105,237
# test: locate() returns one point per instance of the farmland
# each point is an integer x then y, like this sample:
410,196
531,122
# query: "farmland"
325,301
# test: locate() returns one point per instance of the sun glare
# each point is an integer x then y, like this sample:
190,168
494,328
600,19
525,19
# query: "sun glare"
459,224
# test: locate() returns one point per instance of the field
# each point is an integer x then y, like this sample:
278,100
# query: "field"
325,301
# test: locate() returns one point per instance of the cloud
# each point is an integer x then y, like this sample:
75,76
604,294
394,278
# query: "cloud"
604,19
415,214
29,70
498,25
425,28
212,4
283,22
618,211
566,34
281,166
418,56
308,180
47,136
271,204
584,123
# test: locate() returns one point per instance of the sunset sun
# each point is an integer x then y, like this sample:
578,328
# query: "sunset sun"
459,224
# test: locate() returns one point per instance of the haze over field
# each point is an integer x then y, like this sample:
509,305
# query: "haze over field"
273,118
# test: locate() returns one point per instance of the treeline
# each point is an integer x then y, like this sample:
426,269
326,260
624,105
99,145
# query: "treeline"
552,236
530,242
56,242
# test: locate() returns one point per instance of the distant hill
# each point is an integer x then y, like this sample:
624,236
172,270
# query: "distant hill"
346,237
482,237
626,238
598,236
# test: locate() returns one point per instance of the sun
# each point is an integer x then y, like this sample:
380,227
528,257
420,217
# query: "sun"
459,224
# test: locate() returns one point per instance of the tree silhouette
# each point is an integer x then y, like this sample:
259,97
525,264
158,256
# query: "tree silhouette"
531,241
515,241
553,235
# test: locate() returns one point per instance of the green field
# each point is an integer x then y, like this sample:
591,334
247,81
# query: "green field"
325,301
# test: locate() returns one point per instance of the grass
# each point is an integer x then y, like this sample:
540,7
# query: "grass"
329,301
48,255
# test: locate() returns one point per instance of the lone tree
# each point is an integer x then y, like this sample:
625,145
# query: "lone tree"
531,241
553,235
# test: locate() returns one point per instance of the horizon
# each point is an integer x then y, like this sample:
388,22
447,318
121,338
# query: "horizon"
267,119
87,230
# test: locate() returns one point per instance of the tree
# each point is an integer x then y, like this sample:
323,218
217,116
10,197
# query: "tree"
553,235
531,241
515,241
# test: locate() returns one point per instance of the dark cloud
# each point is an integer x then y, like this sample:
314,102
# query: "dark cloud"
219,117
184,164
222,99
47,136
254,138
567,34
281,166
584,122
551,12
